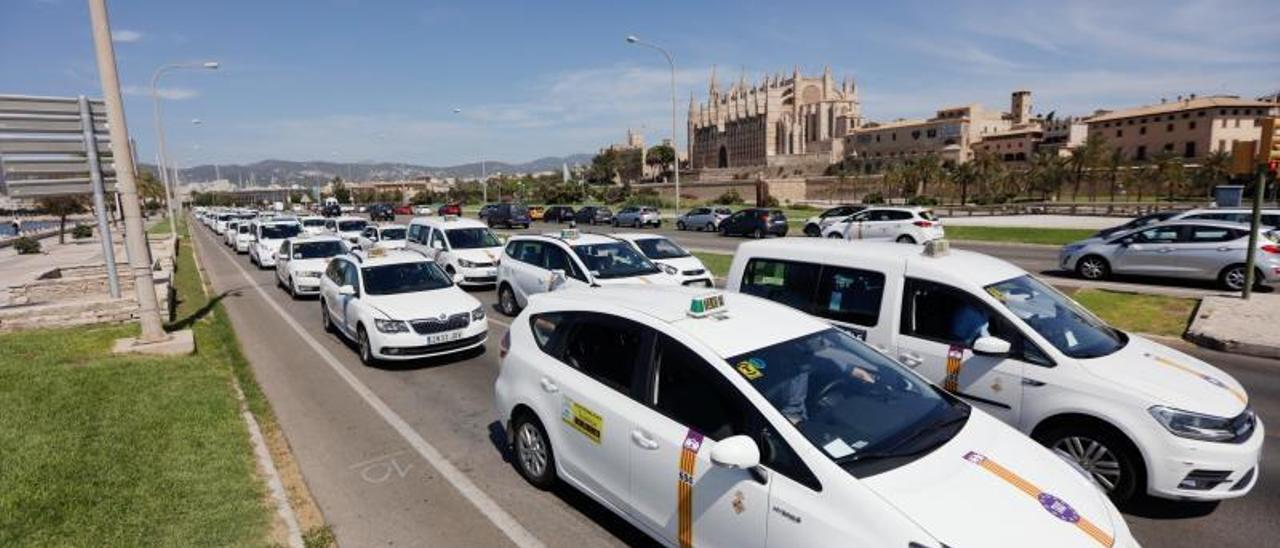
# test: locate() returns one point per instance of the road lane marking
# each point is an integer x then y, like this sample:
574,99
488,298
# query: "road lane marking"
513,530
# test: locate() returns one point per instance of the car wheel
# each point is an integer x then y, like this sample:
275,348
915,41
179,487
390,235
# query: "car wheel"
758,234
534,459
711,227
292,289
615,223
724,231
835,235
812,230
905,239
1093,267
366,349
325,320
507,301
1110,459
680,225
1232,277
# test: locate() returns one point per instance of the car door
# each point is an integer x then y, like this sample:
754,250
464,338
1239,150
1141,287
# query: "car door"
1204,250
939,326
558,259
437,246
593,386
334,278
857,224
1149,252
530,275
349,315
690,407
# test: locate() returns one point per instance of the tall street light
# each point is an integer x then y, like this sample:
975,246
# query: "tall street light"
164,160
632,39
484,173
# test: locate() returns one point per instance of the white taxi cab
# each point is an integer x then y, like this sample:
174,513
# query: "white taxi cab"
461,246
715,419
347,228
673,259
569,259
243,238
267,237
390,236
1139,416
301,261
398,305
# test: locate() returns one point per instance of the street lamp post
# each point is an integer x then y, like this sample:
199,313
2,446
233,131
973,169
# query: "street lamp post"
632,39
164,160
484,173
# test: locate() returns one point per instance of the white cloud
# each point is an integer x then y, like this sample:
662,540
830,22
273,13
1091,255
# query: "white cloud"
123,36
172,94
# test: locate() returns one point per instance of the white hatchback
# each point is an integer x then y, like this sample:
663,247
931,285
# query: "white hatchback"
905,225
461,246
673,259
301,261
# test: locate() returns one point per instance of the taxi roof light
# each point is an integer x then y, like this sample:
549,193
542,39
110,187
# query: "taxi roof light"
706,305
937,248
569,234
450,217
377,251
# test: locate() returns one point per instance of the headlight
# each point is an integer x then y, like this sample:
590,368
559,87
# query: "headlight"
1071,249
391,326
670,269
466,264
477,314
1186,424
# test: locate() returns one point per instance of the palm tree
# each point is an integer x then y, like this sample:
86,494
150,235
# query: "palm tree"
1047,173
926,169
1085,157
988,171
1115,161
1215,169
1170,169
964,175
61,207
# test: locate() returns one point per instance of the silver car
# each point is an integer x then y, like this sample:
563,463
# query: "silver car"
703,218
638,217
1193,250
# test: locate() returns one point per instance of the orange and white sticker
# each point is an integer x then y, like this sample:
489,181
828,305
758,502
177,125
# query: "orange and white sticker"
1055,506
1211,380
955,362
684,487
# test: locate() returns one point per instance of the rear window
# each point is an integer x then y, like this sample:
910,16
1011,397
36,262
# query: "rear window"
352,226
313,222
928,215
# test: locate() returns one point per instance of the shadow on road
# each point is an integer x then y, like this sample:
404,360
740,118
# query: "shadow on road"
1156,508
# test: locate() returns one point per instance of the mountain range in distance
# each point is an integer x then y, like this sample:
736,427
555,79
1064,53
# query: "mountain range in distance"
311,173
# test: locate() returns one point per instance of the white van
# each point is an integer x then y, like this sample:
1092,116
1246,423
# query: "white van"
1136,415
460,246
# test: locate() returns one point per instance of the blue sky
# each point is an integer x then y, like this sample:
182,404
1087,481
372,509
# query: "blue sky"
351,80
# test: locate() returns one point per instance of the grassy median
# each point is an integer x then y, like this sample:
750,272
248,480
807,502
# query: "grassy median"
1015,234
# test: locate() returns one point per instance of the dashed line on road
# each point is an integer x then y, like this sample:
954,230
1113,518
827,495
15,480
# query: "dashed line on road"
502,520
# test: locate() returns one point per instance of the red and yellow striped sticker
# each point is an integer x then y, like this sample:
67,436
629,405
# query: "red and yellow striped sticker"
684,487
955,362
1054,505
1211,380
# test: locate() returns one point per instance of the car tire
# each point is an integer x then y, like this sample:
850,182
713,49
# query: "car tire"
292,289
1104,453
680,226
364,347
724,231
905,239
835,235
812,230
1232,278
507,303
711,227
758,234
531,451
325,320
1093,267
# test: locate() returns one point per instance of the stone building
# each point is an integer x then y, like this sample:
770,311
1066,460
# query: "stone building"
949,134
1190,127
777,121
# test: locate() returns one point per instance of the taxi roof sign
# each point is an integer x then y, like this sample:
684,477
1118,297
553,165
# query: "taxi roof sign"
569,234
376,251
705,305
937,248
450,217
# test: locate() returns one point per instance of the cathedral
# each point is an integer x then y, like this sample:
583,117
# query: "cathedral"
780,121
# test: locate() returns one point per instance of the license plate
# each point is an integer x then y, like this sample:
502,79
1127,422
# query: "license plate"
444,337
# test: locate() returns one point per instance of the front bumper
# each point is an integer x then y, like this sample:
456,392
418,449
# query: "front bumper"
478,276
412,346
704,280
306,285
242,247
1233,467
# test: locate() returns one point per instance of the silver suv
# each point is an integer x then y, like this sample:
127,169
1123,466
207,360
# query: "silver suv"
638,217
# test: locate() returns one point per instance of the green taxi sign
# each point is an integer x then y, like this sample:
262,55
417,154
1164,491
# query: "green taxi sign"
706,304
569,234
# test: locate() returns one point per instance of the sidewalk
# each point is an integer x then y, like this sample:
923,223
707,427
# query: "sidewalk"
1231,324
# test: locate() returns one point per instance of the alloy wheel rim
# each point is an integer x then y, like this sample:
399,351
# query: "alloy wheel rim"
1091,268
507,304
531,450
1235,278
1095,458
364,346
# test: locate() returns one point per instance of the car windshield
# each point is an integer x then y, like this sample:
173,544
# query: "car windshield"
242,229
280,231
471,238
352,226
318,250
1070,328
863,410
394,279
313,222
614,260
661,248
393,234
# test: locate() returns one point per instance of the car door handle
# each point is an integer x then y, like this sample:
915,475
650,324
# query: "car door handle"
1031,382
548,386
1224,248
910,360
642,439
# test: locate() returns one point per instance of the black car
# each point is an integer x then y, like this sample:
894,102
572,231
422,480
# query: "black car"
382,212
756,222
508,215
814,226
1140,222
485,210
557,214
331,210
594,215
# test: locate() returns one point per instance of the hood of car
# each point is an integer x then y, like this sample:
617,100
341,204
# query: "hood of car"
1171,378
479,255
427,304
390,244
992,486
683,263
660,278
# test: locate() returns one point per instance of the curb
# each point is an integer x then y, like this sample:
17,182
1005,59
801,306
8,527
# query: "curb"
1198,336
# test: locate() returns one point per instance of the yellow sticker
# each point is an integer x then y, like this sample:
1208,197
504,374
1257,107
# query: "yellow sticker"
749,370
999,295
585,421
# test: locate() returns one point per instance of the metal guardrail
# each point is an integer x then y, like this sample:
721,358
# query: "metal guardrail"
1107,209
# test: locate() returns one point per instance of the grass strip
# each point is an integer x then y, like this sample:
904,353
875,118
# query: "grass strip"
1014,234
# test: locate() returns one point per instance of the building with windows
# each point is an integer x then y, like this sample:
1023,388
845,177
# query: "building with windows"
1190,127
950,134
777,121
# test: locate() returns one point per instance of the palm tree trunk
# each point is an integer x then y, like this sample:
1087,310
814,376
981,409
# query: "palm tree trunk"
62,229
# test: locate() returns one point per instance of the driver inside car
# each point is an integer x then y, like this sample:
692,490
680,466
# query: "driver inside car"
791,397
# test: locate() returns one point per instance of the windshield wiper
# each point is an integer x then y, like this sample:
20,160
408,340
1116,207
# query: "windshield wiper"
890,452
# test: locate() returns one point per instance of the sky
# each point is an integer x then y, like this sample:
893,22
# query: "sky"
442,83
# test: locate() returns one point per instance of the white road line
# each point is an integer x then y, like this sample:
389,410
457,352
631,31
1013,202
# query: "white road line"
487,506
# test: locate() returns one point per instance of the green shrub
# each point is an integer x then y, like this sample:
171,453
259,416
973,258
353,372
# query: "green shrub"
922,201
81,232
647,197
772,202
27,245
803,207
873,198
729,197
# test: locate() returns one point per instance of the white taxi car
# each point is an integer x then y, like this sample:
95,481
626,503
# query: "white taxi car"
390,236
673,259
1139,416
243,238
312,224
301,261
727,420
462,246
905,225
347,228
535,264
398,305
267,237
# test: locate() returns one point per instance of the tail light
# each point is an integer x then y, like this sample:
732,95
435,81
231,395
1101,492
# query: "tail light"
505,345
923,224
1271,248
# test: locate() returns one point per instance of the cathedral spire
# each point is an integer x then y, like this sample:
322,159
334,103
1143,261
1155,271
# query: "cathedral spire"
714,89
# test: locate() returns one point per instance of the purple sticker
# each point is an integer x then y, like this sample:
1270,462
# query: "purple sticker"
1058,507
975,458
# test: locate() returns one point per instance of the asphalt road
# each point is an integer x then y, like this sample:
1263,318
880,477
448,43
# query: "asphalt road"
413,455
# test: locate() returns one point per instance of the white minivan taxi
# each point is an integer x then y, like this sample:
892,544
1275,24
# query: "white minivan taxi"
713,419
676,261
1138,416
533,264
461,246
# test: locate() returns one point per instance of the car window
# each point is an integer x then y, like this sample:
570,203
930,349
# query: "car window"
558,259
928,215
1157,235
787,282
531,253
594,345
850,295
471,238
1209,234
436,236
352,226
284,249
350,276
660,248
895,215
691,392
392,234
545,328
318,250
334,272
614,260
939,313
860,217
393,279
415,233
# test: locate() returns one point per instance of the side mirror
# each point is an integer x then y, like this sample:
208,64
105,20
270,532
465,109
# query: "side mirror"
1125,242
736,452
991,346
557,279
346,291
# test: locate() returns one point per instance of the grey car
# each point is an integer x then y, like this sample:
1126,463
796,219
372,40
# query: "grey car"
703,218
638,217
1191,250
